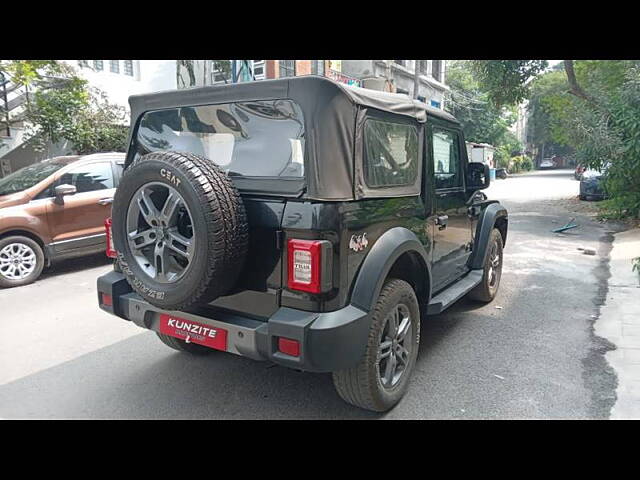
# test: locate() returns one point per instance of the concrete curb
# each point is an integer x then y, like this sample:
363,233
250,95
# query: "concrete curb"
619,323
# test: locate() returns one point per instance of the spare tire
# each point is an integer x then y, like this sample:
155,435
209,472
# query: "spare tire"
179,228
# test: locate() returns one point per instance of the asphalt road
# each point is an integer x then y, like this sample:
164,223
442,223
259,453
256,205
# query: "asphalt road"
531,353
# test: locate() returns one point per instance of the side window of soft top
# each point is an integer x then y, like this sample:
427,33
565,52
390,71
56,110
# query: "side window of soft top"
446,158
391,153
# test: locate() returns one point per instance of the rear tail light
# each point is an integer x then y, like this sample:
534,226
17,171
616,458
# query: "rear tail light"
111,252
289,346
309,265
106,299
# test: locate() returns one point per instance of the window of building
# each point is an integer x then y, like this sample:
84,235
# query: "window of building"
220,71
98,66
287,68
436,71
83,63
114,66
446,159
391,153
317,67
88,178
423,66
436,104
128,67
259,69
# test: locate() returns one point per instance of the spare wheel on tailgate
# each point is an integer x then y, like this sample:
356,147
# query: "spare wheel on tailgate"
180,229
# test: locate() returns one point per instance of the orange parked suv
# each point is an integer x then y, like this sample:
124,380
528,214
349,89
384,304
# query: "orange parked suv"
54,209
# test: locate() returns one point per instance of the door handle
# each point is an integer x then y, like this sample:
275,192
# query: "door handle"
442,220
105,201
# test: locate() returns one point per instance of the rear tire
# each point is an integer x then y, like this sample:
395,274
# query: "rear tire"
29,257
488,287
180,230
368,385
182,346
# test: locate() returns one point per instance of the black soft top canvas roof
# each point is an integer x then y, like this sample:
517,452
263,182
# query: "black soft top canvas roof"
330,112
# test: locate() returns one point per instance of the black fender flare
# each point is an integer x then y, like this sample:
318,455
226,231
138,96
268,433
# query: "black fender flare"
378,263
490,215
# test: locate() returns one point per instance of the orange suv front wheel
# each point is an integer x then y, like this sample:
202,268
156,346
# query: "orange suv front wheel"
21,261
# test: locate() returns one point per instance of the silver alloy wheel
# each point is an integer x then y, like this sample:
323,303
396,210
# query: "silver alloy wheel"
494,266
160,232
394,350
17,261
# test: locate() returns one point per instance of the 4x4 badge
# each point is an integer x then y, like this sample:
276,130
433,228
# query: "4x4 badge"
358,242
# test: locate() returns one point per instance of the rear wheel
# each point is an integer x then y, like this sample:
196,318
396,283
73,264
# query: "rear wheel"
21,261
488,287
180,229
381,378
183,346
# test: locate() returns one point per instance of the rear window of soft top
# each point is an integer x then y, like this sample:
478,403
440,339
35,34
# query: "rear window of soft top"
249,139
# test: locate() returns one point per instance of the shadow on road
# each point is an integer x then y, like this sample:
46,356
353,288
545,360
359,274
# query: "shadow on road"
140,378
72,265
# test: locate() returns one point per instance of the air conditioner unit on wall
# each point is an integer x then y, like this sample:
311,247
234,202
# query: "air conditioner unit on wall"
378,83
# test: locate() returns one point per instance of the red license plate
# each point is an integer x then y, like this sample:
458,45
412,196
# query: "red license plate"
193,332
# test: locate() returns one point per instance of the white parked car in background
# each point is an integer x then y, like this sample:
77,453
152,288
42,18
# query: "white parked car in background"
547,163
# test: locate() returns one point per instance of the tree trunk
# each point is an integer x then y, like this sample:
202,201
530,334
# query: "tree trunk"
576,89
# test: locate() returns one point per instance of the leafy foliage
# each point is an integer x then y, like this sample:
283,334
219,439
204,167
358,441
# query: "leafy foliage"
603,131
482,120
101,127
29,72
520,163
505,81
61,106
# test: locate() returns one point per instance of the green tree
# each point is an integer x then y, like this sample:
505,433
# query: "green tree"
61,106
482,120
506,81
101,127
595,109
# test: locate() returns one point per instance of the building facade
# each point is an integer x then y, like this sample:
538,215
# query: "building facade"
196,73
389,75
399,76
121,78
519,129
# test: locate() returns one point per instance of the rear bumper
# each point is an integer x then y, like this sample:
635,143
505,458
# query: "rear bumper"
328,341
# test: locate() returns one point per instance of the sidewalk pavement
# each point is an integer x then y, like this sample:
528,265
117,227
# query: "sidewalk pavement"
619,323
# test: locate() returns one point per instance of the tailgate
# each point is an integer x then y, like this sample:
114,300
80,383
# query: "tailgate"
257,292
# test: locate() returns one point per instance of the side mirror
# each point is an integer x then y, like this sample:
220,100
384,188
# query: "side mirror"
478,176
65,189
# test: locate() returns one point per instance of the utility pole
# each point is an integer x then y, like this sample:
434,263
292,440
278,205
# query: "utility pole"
416,79
3,80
